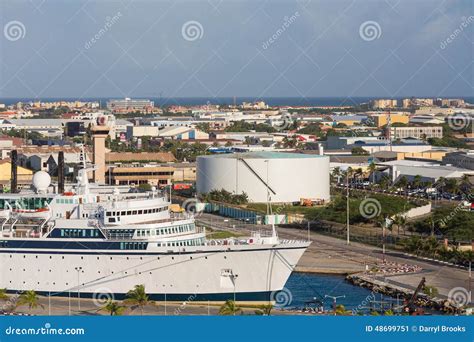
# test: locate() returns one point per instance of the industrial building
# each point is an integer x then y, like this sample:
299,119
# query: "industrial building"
416,132
285,177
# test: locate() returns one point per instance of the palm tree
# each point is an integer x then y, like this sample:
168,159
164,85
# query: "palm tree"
341,310
264,310
417,181
440,183
400,221
138,298
336,174
29,298
403,183
3,294
372,169
384,182
452,185
465,184
113,308
229,308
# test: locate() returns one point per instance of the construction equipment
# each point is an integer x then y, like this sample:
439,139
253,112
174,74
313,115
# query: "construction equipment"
409,306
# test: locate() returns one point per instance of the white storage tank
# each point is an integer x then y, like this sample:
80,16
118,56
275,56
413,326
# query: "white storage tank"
290,176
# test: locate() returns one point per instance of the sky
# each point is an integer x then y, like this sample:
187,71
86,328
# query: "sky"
223,48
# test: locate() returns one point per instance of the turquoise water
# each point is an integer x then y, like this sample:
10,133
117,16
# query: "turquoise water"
304,287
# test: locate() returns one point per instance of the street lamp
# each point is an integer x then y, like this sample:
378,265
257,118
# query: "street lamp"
78,269
347,169
234,277
334,301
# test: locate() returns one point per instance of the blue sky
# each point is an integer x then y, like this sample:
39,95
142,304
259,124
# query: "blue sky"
321,51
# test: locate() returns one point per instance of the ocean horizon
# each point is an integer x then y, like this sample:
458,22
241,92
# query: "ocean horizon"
195,101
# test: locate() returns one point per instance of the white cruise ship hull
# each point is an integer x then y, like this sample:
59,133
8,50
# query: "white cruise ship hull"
252,272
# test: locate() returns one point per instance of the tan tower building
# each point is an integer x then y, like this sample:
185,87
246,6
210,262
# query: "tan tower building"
99,134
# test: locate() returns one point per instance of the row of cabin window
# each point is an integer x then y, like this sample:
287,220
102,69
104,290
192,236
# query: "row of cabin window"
164,231
193,242
133,245
79,232
135,212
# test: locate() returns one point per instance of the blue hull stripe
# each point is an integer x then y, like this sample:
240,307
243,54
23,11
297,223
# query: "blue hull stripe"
172,297
139,253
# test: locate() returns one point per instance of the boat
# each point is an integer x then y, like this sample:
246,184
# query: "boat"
98,241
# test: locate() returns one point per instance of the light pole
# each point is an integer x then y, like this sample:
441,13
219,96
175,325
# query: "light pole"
78,269
234,282
347,207
334,301
347,171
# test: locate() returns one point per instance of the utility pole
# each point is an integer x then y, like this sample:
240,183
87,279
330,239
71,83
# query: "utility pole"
334,301
347,207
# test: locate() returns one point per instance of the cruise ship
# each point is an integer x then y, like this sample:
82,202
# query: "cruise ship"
95,241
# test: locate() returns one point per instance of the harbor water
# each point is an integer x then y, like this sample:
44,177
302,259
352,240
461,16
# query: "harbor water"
305,287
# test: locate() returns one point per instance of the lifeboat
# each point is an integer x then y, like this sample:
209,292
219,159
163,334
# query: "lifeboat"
43,213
